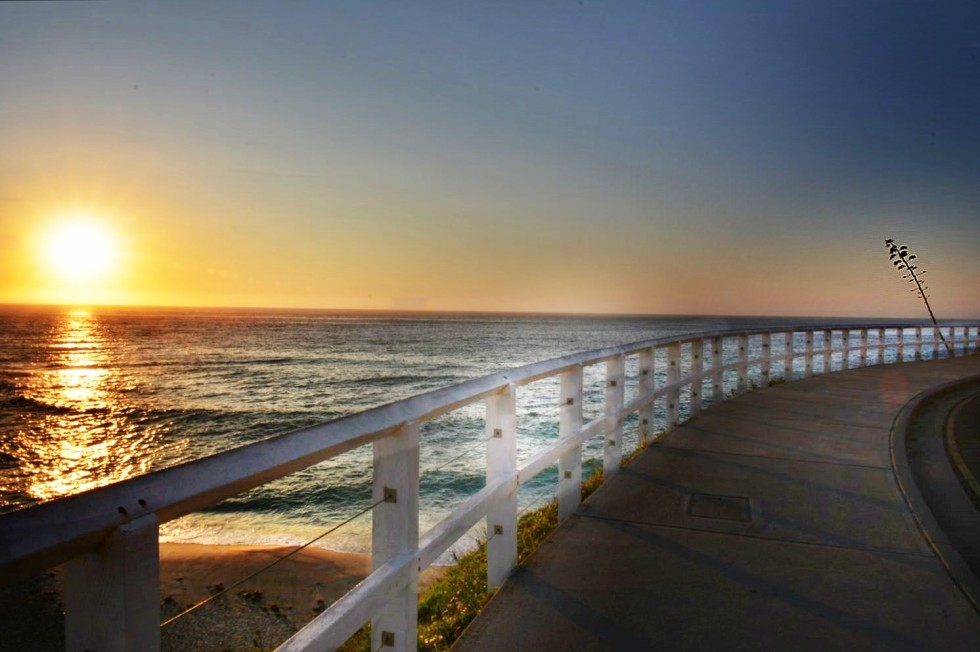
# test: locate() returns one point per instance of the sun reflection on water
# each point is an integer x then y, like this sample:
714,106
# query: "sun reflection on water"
78,433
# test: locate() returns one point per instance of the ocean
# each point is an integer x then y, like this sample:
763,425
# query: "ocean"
93,396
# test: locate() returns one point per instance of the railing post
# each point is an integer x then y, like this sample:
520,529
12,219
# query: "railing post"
863,342
501,429
828,351
935,343
395,531
612,452
112,595
918,343
697,367
673,376
808,354
766,360
881,346
743,364
900,345
789,352
717,360
647,384
845,346
569,423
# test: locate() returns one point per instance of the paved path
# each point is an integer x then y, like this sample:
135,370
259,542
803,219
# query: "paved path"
773,521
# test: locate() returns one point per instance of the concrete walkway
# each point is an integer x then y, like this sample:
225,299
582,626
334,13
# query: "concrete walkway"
773,521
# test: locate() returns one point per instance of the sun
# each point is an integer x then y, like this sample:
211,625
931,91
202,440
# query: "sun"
80,249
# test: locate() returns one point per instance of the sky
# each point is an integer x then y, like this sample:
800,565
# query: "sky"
593,157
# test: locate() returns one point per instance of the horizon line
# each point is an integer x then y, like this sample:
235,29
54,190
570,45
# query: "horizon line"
445,312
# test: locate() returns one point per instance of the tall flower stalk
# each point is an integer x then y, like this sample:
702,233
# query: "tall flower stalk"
902,260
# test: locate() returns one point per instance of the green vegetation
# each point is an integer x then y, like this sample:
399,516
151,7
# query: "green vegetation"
449,605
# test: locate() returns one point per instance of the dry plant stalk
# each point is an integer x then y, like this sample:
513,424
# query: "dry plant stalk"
902,260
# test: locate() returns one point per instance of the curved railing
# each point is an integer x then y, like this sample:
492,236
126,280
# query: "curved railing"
108,537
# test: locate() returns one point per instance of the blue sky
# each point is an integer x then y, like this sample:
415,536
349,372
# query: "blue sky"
717,157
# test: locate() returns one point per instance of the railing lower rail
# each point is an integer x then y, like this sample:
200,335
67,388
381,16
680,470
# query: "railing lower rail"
108,537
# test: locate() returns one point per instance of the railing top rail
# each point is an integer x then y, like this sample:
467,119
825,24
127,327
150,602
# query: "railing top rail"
53,532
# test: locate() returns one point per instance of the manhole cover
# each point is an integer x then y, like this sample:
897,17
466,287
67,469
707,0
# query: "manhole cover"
729,508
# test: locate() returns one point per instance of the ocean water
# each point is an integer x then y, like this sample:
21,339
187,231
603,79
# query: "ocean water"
89,397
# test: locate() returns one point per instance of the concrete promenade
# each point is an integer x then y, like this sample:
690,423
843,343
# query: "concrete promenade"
772,521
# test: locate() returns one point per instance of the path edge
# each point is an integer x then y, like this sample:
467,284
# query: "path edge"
949,557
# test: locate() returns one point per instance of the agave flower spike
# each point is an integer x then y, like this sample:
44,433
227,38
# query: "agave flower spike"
902,260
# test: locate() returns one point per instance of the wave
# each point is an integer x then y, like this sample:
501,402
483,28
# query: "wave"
395,381
27,404
284,419
276,500
235,362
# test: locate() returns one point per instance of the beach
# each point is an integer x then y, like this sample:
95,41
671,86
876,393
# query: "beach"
259,614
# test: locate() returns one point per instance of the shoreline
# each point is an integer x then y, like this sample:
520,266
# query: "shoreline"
259,614
190,572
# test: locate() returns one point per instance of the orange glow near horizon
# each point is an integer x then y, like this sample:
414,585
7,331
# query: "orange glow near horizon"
140,248
71,257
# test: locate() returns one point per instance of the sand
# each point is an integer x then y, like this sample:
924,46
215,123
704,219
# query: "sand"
260,613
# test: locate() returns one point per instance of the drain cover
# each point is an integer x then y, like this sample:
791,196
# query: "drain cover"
729,508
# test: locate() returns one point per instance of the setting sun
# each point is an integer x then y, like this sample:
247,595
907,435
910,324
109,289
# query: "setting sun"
80,250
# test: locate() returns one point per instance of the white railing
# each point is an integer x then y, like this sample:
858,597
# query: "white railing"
108,537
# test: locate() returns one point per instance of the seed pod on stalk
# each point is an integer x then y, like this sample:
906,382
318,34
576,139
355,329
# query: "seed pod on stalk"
902,260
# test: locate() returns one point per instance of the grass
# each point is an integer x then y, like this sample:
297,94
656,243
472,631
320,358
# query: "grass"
453,601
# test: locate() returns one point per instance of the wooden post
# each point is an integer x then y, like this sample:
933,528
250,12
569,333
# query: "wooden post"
808,355
828,351
647,383
900,345
570,423
845,345
743,366
918,343
612,455
863,342
673,376
501,429
112,595
697,367
395,531
789,352
717,380
765,364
